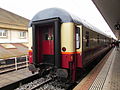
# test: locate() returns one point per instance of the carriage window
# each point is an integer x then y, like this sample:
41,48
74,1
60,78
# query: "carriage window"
48,35
105,40
98,38
87,39
77,37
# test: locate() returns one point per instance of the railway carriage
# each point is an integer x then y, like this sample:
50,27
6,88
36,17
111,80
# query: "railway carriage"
63,42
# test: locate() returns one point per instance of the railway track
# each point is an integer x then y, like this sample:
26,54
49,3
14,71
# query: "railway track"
21,82
44,83
35,84
41,84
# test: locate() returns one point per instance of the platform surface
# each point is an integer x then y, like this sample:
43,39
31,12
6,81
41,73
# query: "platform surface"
112,81
11,77
108,78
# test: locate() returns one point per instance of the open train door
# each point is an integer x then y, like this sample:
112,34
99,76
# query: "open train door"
46,42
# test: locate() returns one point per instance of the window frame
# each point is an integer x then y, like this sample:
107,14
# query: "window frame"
77,35
87,38
22,34
98,38
3,33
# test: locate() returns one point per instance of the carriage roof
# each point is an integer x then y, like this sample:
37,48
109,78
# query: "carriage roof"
64,16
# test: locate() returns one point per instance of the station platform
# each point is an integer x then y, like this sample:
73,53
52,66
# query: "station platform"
14,76
105,76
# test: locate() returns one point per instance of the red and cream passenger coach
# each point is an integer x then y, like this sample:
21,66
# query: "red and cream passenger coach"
61,41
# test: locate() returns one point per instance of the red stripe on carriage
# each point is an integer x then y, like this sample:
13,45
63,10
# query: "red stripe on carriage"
69,57
30,56
66,58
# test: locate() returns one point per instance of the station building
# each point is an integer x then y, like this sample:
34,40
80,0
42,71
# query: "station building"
13,35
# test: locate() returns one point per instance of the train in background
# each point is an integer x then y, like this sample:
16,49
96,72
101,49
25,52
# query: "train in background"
63,43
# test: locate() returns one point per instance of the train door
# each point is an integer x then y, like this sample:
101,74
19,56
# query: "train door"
46,43
79,46
77,62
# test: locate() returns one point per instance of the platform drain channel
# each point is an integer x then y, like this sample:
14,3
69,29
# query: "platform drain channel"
100,79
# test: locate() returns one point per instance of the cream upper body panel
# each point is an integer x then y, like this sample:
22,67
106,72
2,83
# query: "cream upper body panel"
68,37
30,37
